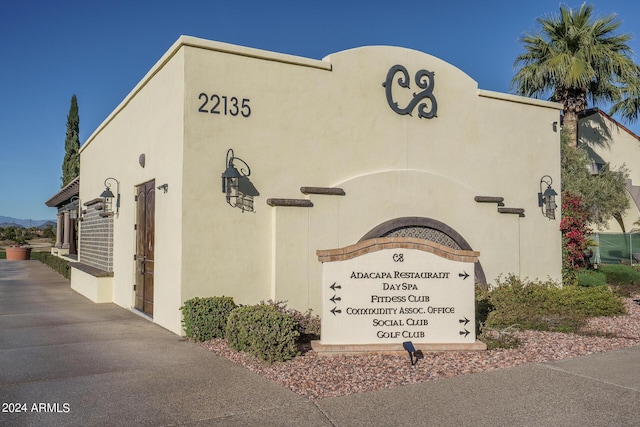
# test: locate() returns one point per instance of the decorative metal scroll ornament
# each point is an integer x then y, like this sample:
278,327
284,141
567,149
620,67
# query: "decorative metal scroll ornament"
425,80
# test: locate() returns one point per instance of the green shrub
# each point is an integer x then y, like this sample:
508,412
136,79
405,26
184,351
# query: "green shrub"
206,318
61,266
263,331
545,306
619,274
590,278
628,290
483,307
592,302
308,324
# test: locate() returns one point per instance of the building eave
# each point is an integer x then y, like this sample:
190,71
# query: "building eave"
65,194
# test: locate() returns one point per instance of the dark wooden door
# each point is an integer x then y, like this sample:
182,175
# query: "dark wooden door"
145,240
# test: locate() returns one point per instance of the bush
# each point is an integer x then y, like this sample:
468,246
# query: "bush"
58,264
308,324
263,331
591,302
545,306
621,274
206,318
590,278
483,307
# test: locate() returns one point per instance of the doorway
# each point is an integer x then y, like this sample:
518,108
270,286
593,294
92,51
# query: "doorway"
145,242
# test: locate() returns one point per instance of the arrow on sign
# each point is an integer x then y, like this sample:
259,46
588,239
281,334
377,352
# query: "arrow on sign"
464,275
334,299
334,286
465,321
465,333
335,310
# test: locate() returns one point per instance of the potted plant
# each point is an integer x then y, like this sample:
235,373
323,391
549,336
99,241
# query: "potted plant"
18,253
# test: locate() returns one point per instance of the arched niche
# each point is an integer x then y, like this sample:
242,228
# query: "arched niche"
426,229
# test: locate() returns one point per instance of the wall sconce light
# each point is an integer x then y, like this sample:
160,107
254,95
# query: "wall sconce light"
164,187
74,207
108,196
231,178
547,199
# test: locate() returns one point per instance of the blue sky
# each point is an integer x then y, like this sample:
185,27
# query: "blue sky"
99,50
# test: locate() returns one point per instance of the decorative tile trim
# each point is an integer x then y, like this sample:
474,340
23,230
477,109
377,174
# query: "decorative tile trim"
387,228
381,243
95,243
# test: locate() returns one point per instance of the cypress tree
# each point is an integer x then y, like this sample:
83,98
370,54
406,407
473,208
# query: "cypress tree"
71,162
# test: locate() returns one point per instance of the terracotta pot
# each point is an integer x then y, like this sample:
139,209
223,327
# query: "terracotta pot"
16,253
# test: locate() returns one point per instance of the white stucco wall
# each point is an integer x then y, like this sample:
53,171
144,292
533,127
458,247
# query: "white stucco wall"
148,121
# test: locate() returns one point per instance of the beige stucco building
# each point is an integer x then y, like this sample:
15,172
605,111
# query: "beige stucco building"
609,142
333,160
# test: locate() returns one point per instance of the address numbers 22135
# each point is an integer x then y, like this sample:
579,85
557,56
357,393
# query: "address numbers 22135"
222,104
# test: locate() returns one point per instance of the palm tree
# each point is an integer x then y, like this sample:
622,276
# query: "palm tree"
629,106
575,59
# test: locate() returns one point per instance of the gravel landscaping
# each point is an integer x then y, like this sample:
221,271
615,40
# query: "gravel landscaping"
320,377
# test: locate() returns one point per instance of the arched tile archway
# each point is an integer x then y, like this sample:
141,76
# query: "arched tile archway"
427,229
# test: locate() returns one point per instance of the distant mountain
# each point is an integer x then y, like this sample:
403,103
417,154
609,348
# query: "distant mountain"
6,221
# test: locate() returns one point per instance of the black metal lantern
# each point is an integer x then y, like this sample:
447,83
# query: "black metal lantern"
547,198
231,180
74,207
108,196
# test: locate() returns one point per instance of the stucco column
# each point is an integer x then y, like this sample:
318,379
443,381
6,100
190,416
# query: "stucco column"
67,226
59,231
73,249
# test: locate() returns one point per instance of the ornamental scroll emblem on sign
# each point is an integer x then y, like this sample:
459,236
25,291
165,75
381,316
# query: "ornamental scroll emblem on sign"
425,80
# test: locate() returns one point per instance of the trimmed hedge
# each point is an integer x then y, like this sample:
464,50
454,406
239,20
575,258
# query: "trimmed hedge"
620,274
263,331
206,318
58,264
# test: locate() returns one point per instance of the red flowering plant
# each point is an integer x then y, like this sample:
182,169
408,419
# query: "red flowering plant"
574,230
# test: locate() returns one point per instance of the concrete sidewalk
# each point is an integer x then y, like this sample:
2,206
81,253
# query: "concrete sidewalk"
67,361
